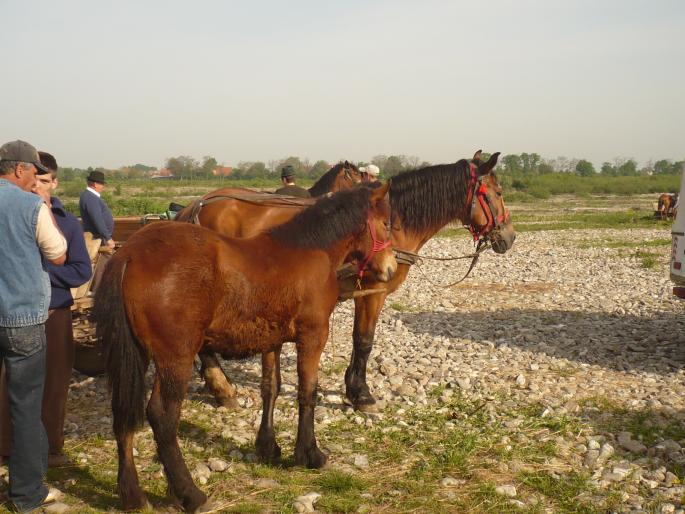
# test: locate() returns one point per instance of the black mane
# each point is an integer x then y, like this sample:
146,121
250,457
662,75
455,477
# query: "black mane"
325,183
431,197
327,221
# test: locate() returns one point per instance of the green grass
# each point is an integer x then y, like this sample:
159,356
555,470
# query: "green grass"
563,491
614,243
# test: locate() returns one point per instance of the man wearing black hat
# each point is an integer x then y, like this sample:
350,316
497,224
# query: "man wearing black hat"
29,233
95,215
289,188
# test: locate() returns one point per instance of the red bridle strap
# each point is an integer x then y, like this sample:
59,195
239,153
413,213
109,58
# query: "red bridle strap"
376,246
481,193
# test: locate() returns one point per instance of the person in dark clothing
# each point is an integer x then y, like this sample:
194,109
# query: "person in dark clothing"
97,221
58,327
95,215
289,188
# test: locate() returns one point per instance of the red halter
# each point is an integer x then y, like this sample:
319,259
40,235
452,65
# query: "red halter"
479,191
376,247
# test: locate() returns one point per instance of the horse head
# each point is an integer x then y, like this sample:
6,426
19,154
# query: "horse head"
350,173
374,247
490,220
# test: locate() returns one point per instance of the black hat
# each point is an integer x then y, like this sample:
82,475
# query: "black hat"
287,171
48,160
96,176
21,151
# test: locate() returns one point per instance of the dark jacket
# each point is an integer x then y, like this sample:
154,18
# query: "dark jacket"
293,191
77,268
96,216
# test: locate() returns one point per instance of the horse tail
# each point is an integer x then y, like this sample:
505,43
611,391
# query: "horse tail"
125,358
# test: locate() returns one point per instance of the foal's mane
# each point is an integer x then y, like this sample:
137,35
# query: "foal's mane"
429,198
324,184
327,221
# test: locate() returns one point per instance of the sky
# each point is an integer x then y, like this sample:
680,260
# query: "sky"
116,83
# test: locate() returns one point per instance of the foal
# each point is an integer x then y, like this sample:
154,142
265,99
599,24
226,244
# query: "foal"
175,287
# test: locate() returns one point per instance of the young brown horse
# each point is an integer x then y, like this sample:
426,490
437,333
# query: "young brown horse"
423,202
239,297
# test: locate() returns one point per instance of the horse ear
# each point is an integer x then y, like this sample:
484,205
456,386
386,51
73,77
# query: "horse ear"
476,156
488,166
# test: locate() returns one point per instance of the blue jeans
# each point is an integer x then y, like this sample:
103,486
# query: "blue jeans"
23,352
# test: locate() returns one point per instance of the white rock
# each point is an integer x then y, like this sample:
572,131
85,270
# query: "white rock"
506,490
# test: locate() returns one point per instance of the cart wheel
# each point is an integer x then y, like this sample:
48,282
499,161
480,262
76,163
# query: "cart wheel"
89,360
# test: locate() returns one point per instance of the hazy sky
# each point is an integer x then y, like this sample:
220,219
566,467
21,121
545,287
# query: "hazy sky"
114,83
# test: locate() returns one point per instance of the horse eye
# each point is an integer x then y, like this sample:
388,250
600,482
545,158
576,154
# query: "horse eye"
499,193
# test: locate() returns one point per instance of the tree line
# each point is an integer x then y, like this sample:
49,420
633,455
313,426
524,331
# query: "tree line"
524,164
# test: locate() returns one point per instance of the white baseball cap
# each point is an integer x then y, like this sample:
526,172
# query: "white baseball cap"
371,169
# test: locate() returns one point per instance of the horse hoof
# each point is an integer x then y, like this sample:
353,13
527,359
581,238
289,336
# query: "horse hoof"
270,454
313,459
368,408
206,507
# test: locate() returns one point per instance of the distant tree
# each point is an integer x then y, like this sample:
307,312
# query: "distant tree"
256,170
318,169
608,169
629,168
208,165
512,163
585,168
530,162
182,166
141,167
544,168
380,160
393,166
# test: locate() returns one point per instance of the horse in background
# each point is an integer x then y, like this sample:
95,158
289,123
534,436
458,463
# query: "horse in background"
667,205
239,297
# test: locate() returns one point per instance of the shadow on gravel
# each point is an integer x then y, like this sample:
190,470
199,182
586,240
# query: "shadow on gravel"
623,343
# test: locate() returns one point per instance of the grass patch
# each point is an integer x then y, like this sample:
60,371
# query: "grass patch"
563,491
613,243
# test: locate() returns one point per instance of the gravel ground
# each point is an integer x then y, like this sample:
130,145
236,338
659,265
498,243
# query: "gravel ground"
563,321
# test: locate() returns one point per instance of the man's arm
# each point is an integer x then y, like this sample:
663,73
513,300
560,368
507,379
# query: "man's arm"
77,268
50,240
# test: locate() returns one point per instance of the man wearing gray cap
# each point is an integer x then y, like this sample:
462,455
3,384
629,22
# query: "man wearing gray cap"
29,234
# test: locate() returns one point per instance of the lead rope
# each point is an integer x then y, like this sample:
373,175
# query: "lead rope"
480,248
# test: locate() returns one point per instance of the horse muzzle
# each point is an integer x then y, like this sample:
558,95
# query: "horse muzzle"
502,240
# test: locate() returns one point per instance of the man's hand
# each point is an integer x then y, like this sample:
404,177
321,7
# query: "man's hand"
110,244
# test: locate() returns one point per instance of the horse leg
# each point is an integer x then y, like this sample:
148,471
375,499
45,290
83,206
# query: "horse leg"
163,413
308,355
366,312
216,380
267,448
131,495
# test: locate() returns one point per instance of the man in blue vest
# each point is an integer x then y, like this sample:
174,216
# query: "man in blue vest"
29,233
58,327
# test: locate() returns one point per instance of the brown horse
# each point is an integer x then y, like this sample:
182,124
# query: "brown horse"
239,297
667,205
423,201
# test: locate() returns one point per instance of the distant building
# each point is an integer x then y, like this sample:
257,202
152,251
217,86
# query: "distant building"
222,171
161,173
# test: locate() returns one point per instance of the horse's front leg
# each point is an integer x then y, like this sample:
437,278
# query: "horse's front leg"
309,349
366,312
267,448
216,380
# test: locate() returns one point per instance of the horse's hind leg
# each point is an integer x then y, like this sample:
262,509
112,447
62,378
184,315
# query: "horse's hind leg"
216,380
267,448
163,412
131,495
